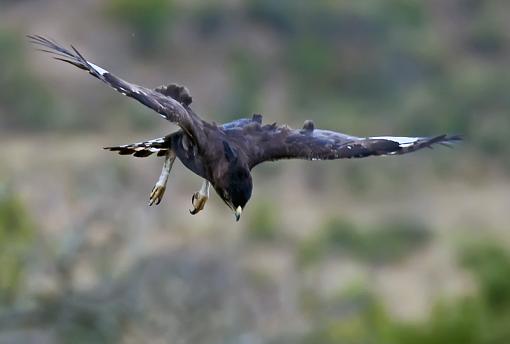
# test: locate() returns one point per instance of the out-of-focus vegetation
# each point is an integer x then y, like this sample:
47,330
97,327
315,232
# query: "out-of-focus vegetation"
386,243
363,251
16,237
25,103
264,222
480,318
148,20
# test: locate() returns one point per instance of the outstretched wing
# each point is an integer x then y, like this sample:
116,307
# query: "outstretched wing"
171,102
272,142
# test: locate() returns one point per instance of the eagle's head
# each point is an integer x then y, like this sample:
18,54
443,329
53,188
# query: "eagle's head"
237,192
235,185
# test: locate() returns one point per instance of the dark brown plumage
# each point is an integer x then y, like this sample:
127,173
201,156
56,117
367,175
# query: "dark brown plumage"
225,154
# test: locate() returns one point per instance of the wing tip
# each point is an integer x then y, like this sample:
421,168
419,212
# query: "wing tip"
454,138
446,139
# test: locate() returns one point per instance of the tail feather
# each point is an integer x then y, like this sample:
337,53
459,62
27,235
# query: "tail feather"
159,146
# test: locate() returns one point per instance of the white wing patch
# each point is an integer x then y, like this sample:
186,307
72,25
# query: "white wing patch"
403,141
97,68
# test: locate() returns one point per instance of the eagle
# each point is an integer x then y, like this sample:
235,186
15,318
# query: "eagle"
224,155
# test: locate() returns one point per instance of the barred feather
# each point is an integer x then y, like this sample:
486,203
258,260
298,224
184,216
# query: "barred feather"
160,146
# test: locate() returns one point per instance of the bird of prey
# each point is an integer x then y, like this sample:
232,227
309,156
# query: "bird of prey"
224,155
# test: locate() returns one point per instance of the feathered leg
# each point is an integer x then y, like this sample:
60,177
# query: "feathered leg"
199,198
159,189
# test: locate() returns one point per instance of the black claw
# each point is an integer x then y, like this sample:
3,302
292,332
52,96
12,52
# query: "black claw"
195,210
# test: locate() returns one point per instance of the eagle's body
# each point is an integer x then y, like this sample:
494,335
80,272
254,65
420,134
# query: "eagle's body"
223,155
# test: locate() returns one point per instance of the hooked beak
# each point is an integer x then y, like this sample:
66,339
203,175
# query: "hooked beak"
238,213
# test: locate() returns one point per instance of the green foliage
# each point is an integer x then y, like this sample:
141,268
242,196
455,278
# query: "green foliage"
482,318
90,326
456,323
354,316
390,242
16,236
491,266
150,20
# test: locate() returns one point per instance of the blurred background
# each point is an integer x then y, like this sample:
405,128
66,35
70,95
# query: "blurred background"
411,249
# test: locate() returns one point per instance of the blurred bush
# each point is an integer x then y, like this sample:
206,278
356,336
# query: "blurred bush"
387,243
149,20
354,316
482,318
90,325
490,265
16,236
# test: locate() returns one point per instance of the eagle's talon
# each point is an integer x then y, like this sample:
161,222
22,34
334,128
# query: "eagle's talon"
156,194
198,201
